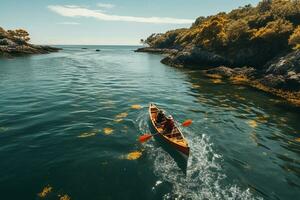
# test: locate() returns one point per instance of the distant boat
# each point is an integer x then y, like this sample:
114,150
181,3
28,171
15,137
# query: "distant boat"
175,138
97,49
84,48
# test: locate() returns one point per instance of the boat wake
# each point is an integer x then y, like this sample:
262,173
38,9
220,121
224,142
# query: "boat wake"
204,176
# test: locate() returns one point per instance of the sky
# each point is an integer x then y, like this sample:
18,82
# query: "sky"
105,22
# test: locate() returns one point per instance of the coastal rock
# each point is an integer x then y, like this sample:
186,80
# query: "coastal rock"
15,43
18,50
273,81
280,73
194,56
283,72
229,72
7,42
156,50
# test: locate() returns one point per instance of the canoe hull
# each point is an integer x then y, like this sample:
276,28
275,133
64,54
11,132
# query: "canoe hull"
184,150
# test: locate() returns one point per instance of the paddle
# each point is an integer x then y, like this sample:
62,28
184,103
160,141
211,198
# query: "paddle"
147,136
187,122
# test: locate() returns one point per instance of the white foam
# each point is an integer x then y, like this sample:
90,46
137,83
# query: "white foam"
204,173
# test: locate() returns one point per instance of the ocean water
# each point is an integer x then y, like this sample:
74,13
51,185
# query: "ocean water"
69,122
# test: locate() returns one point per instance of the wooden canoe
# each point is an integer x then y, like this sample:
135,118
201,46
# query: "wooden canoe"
175,138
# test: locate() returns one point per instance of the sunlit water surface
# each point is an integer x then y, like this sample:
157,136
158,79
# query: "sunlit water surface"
69,121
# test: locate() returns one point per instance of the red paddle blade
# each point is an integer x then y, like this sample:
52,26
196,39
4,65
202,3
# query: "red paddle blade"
187,122
144,138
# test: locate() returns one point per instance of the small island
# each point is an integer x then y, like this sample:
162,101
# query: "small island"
257,46
15,43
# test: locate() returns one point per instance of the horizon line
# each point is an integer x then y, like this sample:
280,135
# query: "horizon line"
92,44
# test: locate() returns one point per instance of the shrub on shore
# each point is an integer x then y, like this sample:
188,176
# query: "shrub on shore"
18,36
267,30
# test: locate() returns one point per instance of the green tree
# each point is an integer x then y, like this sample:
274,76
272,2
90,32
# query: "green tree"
22,34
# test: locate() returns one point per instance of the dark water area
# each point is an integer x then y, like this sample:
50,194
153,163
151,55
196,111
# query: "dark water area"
70,121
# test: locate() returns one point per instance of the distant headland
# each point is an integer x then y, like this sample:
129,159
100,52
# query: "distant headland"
15,43
257,46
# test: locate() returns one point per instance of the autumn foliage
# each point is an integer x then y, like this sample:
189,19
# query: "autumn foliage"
294,39
19,35
266,30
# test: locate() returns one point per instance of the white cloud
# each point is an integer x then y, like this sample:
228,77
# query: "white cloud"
77,11
69,23
105,5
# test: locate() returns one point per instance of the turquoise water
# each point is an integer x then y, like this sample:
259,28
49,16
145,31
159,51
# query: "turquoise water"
67,122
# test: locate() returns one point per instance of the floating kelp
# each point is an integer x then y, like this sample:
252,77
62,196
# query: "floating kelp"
134,155
216,81
292,97
254,138
136,106
262,119
88,134
108,131
214,76
196,86
202,99
118,120
239,79
64,197
283,119
252,123
248,110
121,115
46,190
297,139
239,97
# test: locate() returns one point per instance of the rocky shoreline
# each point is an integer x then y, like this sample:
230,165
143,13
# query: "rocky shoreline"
9,49
156,50
16,43
280,76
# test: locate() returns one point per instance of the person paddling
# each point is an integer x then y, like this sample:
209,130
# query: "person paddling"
161,117
169,125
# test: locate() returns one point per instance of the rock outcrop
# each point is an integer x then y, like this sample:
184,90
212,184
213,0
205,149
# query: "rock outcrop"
281,76
283,72
10,48
280,73
195,57
227,72
156,50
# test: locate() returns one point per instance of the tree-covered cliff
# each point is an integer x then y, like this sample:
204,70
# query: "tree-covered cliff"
245,36
15,43
257,46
